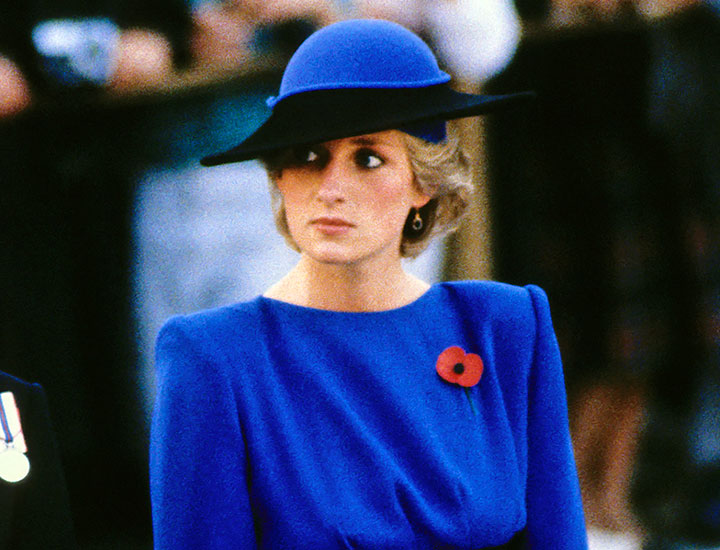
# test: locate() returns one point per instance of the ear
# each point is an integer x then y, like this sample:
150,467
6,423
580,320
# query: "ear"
421,200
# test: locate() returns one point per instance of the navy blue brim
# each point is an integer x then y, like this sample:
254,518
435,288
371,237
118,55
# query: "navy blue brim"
319,116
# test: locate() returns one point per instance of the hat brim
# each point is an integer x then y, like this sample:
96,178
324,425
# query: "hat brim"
324,115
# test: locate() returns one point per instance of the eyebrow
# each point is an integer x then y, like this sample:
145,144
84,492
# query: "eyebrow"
369,141
363,140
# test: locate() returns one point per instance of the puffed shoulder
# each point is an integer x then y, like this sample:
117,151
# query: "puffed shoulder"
239,319
499,295
505,303
187,344
517,317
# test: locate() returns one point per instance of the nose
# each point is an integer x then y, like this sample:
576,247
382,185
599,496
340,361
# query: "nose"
334,179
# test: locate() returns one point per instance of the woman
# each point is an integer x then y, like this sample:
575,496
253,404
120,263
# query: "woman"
352,405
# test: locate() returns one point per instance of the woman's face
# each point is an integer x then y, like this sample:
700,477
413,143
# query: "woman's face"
347,200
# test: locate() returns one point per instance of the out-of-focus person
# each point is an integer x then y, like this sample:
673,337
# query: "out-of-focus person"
64,46
677,479
66,150
34,506
474,39
14,89
230,33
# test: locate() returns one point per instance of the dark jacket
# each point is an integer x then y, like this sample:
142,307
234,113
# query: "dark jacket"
35,512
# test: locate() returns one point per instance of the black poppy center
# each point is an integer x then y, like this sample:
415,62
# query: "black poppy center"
459,368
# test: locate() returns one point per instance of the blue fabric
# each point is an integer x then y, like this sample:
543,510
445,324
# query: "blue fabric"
434,132
360,53
279,426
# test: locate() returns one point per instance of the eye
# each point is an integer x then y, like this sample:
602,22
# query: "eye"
367,158
305,155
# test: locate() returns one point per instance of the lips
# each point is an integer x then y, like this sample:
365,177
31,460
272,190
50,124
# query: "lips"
331,225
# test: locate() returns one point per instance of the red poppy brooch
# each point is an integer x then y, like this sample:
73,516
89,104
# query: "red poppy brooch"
457,367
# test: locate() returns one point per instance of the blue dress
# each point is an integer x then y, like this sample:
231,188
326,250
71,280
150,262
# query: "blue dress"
281,426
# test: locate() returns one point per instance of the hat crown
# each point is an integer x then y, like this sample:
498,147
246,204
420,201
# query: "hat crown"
361,53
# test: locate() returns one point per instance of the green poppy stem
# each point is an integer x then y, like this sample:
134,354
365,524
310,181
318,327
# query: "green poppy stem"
472,407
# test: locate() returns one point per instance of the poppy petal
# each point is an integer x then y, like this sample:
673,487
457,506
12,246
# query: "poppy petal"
473,370
446,363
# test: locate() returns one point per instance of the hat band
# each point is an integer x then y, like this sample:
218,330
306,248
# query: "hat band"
434,132
442,78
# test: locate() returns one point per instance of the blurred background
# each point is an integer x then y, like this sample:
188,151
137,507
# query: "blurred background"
606,192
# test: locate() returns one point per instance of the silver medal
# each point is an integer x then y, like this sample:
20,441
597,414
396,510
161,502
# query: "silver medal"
14,465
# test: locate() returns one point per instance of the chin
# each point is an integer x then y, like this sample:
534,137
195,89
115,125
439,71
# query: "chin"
332,257
346,252
332,253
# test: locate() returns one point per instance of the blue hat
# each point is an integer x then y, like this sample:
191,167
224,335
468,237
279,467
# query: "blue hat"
357,77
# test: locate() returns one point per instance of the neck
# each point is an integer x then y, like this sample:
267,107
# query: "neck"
342,287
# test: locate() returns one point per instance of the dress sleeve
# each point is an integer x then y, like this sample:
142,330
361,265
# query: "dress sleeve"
554,507
198,482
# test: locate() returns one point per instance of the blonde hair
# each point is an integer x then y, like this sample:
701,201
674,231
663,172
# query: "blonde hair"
441,171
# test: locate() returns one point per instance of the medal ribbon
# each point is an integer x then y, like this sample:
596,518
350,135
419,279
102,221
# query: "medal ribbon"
4,423
10,423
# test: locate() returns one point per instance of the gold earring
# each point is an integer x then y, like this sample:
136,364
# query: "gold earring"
417,223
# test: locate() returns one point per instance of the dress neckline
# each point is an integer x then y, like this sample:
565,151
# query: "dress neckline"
288,306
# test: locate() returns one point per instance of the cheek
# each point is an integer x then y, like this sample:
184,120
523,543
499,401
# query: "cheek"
388,205
290,195
387,213
393,198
